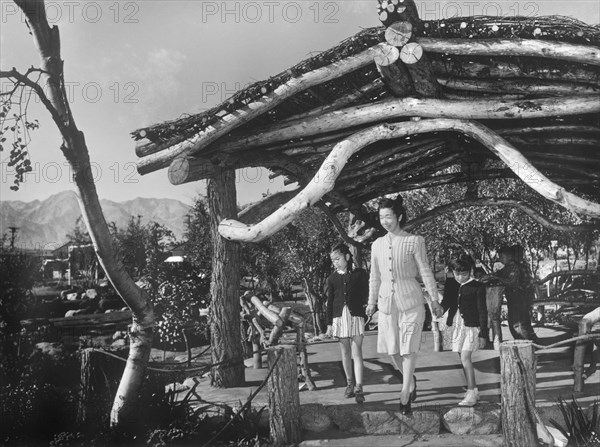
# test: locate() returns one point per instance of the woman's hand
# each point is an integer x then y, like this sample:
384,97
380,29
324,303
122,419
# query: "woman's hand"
436,309
371,308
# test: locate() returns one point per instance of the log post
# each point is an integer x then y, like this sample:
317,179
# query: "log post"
100,376
284,399
437,337
517,385
585,326
284,314
226,337
301,350
256,351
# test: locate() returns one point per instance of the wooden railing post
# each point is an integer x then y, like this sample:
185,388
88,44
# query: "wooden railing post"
517,387
585,327
284,399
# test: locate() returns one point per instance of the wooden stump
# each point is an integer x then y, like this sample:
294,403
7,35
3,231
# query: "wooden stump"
517,385
437,337
585,327
284,400
100,377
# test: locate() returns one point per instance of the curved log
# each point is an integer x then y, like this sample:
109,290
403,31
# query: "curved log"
493,201
324,180
266,206
394,108
162,159
583,54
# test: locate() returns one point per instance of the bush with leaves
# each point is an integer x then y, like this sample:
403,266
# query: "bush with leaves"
582,429
18,273
181,293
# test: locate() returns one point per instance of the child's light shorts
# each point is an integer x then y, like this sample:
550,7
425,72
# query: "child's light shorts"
464,338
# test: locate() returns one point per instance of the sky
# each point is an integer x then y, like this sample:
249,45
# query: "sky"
130,64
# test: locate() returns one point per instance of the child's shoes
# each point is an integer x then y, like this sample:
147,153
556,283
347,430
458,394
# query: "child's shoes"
349,390
470,399
358,394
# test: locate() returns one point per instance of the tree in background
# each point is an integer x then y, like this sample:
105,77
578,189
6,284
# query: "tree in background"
18,273
305,246
48,84
198,244
481,230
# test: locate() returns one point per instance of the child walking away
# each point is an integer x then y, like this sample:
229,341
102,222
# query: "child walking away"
467,315
347,290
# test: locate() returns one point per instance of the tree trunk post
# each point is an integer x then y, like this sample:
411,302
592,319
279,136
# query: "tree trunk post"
284,399
301,350
585,326
226,337
517,385
256,355
437,337
99,380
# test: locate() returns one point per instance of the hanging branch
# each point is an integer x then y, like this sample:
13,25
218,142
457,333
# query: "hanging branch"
497,201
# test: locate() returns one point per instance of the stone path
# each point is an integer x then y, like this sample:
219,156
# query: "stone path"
440,387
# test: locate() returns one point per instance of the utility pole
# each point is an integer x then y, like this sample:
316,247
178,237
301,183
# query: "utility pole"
13,236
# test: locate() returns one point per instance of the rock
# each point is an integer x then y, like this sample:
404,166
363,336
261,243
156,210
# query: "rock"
314,418
191,382
91,293
479,420
119,334
346,418
119,344
52,349
420,422
355,420
175,387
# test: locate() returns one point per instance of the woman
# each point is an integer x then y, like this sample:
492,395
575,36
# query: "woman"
396,260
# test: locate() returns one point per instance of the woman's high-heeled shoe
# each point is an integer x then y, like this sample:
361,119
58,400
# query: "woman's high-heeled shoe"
405,409
413,393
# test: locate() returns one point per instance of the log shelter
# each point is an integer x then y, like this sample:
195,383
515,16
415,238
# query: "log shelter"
411,104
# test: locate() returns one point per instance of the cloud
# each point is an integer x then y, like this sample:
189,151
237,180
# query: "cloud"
160,85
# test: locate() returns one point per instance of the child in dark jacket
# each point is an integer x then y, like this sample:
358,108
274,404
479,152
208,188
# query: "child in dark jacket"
467,319
347,290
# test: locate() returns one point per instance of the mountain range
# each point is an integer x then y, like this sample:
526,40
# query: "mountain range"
45,223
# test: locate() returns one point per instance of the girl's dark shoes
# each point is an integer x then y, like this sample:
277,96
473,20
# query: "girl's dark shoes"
349,390
358,394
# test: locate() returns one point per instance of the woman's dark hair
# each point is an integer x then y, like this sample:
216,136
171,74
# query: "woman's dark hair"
396,205
343,249
462,263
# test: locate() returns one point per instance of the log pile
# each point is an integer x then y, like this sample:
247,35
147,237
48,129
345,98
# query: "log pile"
534,82
262,317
